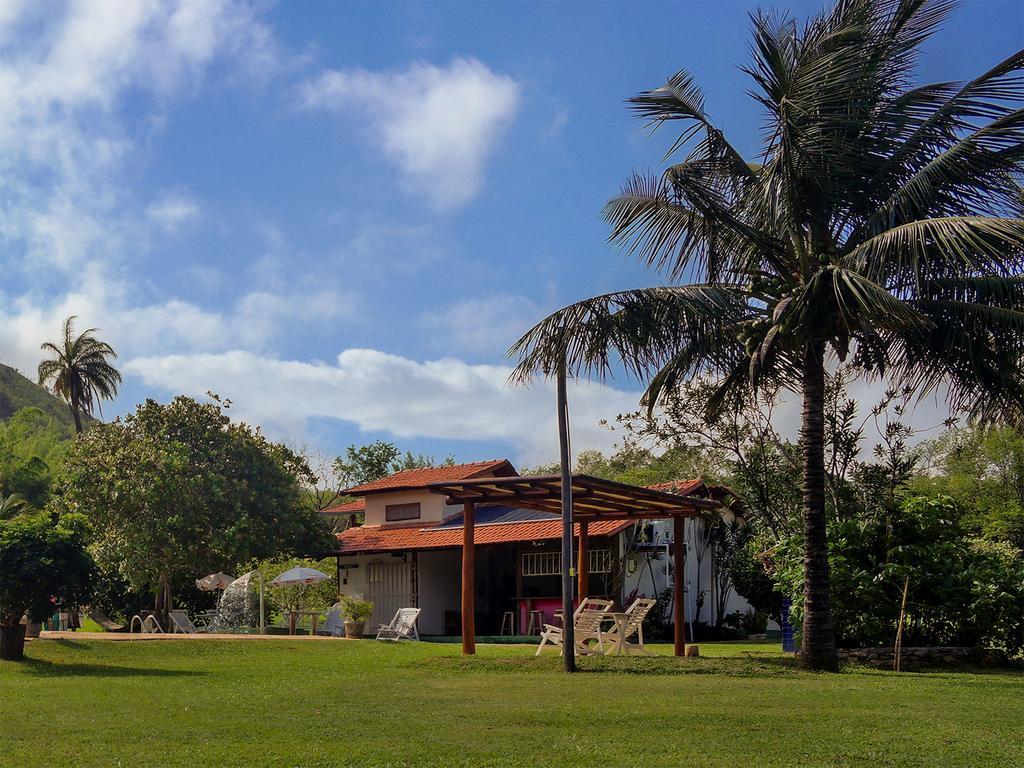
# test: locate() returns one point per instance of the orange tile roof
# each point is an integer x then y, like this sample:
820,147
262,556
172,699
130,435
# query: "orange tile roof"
411,479
359,505
371,540
682,487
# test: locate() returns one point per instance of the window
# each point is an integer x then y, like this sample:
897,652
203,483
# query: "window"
395,512
550,563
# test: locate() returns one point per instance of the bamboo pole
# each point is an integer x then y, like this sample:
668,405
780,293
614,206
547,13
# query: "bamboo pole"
898,650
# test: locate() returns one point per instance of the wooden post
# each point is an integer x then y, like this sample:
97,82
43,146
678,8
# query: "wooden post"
583,562
568,637
678,584
468,585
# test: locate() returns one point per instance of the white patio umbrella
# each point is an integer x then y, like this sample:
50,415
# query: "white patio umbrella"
299,576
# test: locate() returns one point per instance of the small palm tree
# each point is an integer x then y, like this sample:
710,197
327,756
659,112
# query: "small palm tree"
882,224
79,371
14,505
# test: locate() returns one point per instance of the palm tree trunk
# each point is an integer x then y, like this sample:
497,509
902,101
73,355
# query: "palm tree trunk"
78,417
818,649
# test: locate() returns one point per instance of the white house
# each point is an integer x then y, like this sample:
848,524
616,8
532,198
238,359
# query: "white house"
407,552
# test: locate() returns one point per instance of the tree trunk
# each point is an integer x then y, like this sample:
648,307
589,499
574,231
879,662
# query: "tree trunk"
12,642
818,649
77,416
162,607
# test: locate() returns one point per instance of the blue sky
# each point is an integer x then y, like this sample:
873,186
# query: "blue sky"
340,215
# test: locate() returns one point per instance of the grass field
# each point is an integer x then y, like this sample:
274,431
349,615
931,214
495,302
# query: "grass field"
290,703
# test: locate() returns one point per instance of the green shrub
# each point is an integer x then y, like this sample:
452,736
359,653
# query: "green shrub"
961,590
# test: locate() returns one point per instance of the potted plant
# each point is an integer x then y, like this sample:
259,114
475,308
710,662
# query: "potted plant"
355,612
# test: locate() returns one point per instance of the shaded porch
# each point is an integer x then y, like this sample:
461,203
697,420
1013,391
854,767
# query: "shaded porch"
592,500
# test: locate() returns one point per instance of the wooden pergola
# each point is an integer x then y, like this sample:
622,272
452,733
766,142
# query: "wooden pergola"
589,499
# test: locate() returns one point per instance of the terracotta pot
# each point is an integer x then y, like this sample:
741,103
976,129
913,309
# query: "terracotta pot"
354,628
12,642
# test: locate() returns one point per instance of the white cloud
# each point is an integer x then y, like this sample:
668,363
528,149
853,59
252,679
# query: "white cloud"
445,398
258,320
66,69
173,210
437,125
481,326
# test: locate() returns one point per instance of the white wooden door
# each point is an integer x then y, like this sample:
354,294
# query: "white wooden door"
389,588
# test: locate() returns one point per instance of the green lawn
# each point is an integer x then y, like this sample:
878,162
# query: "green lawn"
364,703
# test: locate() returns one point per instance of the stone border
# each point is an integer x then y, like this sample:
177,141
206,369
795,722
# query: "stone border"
913,659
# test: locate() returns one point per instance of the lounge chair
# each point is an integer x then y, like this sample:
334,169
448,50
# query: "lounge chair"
147,626
402,627
586,624
333,625
617,638
105,621
181,623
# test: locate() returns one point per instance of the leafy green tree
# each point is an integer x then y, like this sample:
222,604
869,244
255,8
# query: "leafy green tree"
983,469
32,446
880,223
319,596
961,590
177,491
376,460
80,371
43,558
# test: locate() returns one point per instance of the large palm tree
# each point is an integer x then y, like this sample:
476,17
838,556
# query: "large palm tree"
880,224
79,371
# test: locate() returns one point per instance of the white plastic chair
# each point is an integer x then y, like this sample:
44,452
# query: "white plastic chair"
333,625
402,627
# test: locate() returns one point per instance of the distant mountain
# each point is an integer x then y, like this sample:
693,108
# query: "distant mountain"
17,392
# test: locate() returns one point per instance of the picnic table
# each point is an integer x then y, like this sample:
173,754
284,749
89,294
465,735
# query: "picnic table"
295,617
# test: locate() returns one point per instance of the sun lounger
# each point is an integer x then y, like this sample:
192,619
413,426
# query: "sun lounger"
586,623
182,624
617,638
147,626
105,621
402,627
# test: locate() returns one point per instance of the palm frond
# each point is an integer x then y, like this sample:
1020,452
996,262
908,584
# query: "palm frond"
640,329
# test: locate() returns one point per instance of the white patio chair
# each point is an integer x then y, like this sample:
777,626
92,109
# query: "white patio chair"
181,623
333,624
146,626
586,623
402,627
617,638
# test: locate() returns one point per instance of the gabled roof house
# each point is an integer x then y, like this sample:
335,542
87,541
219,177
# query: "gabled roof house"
407,552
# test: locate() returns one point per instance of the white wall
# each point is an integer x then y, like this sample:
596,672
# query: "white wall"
440,588
638,574
432,507
439,582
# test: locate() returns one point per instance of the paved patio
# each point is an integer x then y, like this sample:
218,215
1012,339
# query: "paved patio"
127,636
